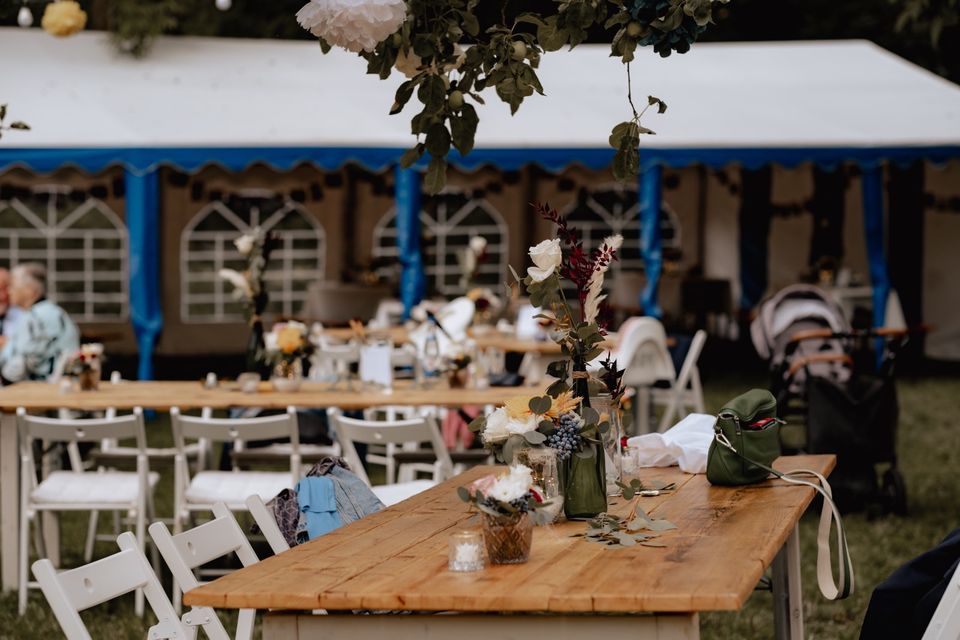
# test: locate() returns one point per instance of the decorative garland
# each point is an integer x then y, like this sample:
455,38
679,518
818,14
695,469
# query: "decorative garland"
421,39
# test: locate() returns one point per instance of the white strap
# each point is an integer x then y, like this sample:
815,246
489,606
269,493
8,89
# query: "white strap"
844,584
830,589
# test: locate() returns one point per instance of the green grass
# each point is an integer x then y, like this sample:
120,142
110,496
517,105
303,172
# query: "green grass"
929,459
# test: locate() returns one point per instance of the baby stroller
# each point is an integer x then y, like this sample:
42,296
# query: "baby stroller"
830,377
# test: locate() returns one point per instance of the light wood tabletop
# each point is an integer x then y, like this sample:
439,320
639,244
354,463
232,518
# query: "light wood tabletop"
162,395
397,558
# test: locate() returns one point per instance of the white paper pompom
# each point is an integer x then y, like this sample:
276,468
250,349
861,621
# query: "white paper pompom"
355,25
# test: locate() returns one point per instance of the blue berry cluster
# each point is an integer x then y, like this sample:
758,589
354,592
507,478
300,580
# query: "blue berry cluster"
521,504
567,439
665,42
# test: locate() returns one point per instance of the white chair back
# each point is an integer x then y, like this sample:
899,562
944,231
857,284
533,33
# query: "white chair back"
75,430
267,523
237,430
350,430
73,591
643,353
186,551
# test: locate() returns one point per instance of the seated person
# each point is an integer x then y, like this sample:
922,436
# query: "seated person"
43,333
8,312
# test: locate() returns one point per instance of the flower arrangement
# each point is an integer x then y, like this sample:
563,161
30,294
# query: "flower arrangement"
287,342
88,358
422,40
85,366
470,258
249,287
508,494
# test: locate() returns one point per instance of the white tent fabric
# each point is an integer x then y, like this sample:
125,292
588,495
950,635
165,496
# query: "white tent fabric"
207,92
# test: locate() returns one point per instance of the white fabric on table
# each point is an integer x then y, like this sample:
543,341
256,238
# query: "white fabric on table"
686,443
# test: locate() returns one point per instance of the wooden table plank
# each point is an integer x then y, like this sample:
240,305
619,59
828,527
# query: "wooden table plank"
396,559
40,396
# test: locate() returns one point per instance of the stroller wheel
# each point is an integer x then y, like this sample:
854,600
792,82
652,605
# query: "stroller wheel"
893,492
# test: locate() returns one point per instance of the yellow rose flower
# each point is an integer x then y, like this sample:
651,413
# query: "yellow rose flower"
63,18
289,339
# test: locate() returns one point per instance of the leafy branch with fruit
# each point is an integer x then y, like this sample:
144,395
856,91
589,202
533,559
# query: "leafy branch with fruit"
451,59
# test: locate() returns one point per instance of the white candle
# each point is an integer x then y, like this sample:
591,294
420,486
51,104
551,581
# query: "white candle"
468,553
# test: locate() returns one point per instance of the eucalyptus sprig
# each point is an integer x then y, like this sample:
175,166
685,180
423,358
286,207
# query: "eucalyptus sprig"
504,56
16,125
613,531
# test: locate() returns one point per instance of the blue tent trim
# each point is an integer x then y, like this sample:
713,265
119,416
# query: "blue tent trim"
142,197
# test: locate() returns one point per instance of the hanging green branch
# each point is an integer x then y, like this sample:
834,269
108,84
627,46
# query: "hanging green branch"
504,57
16,125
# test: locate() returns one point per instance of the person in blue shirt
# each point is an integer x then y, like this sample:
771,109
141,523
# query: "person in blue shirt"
8,312
44,332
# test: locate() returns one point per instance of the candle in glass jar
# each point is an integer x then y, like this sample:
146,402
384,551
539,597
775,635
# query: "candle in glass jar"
466,551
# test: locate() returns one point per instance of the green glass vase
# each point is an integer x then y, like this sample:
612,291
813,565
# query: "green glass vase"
584,477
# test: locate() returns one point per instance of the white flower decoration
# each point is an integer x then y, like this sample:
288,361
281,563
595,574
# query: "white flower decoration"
495,429
478,244
546,258
513,485
244,243
522,425
355,25
241,286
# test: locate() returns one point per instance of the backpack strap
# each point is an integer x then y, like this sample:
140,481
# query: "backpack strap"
829,515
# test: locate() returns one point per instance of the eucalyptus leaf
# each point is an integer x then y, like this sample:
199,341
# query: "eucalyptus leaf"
535,437
410,156
590,415
463,493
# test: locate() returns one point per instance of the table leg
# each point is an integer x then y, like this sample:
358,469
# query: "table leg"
9,500
787,594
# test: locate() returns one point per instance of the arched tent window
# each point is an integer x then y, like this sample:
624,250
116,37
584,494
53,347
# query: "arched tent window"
611,209
448,221
83,244
206,246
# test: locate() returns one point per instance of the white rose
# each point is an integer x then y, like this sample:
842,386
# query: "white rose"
521,426
513,485
495,429
478,244
354,25
546,258
244,244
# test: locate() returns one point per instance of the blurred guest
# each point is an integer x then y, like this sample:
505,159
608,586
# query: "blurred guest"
8,312
43,333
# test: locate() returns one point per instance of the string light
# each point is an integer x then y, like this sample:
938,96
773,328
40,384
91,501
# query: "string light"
223,5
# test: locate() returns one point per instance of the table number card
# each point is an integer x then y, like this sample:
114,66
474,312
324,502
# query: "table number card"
375,365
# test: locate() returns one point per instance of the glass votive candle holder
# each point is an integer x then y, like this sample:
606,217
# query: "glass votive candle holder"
466,551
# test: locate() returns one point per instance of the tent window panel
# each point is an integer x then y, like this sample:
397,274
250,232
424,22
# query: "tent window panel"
81,241
206,246
448,221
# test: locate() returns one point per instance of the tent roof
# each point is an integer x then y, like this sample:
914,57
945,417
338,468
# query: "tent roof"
727,102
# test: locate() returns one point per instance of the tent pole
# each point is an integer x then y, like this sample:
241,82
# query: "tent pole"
412,279
143,224
649,186
873,218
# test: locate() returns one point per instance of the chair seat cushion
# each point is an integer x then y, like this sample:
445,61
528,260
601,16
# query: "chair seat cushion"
390,494
233,487
110,487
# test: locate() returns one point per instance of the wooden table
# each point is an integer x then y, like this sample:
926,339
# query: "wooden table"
396,560
38,396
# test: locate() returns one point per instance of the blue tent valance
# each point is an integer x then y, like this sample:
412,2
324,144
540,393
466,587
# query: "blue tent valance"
144,160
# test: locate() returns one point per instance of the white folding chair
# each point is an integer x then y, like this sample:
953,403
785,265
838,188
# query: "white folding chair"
70,592
79,490
685,392
267,524
191,549
945,623
111,453
201,491
374,432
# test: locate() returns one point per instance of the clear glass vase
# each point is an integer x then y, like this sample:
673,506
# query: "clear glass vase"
507,538
613,453
546,475
287,375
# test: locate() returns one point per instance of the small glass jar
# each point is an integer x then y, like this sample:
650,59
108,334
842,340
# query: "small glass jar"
466,551
287,375
543,465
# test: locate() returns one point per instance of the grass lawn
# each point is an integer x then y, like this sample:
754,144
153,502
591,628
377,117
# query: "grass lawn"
929,458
